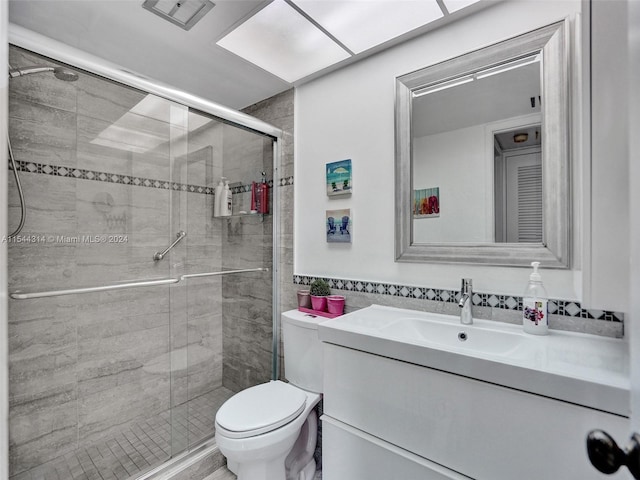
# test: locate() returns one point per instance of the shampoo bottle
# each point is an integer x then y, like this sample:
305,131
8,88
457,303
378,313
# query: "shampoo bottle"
535,318
226,206
217,198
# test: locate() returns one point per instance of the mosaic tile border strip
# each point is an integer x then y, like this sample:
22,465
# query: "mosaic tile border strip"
239,188
567,308
106,177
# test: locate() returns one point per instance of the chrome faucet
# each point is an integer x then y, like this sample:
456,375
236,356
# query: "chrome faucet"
466,302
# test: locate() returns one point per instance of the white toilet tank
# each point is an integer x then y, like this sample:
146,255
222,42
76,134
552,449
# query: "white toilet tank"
302,350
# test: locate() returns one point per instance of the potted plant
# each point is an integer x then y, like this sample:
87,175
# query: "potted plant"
319,291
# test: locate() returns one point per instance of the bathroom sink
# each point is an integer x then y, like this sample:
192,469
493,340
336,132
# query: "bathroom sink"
455,336
578,368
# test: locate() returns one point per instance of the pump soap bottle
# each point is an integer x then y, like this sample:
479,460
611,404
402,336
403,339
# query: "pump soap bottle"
535,318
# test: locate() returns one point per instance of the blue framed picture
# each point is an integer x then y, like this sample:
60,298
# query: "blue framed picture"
339,225
339,178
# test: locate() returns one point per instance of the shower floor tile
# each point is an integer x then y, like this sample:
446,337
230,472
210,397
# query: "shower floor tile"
141,446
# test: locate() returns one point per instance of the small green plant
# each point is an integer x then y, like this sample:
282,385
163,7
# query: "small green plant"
320,288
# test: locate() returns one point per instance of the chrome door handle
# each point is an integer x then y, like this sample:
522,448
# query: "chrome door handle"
608,457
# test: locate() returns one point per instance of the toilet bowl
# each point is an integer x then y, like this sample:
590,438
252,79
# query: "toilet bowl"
269,431
257,449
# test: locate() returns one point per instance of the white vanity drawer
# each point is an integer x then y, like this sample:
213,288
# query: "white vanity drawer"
482,430
350,454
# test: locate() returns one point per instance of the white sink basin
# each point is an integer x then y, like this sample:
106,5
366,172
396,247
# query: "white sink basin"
454,336
583,369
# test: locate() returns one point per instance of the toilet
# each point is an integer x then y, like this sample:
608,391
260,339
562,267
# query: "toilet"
269,432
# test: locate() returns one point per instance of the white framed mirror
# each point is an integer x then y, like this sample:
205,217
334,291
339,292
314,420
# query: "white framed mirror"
482,172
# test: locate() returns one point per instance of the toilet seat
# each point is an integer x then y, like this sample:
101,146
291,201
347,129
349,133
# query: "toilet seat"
260,409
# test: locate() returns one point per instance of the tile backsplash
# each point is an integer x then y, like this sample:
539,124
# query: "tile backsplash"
563,314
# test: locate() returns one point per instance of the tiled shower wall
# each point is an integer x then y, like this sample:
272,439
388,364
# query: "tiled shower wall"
247,243
279,111
248,322
85,367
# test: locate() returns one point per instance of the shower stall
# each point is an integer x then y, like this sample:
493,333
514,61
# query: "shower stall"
134,312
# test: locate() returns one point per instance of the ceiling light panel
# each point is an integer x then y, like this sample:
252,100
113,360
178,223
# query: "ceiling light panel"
363,24
282,41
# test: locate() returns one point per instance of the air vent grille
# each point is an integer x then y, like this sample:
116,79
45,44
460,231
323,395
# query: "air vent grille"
184,13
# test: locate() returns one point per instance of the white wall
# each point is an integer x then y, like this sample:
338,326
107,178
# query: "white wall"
465,195
350,114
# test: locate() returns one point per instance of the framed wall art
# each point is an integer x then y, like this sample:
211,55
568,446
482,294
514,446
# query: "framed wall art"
339,178
339,225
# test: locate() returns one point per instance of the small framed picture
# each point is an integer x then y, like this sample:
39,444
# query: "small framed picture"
339,226
339,178
426,203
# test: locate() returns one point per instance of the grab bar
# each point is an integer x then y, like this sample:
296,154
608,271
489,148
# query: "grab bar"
160,255
119,286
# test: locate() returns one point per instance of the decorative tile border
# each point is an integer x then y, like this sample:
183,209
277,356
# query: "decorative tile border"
567,308
239,188
97,176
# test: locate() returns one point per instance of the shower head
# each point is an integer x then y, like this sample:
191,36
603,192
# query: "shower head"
65,74
59,72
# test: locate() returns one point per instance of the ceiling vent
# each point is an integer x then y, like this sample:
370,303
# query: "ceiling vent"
184,13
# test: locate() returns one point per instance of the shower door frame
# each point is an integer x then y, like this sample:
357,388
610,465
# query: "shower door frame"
57,51
4,335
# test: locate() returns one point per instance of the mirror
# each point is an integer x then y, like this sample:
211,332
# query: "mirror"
482,164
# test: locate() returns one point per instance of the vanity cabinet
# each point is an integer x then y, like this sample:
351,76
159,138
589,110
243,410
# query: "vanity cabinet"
388,419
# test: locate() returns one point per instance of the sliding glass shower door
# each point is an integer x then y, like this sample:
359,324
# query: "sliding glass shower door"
227,317
124,335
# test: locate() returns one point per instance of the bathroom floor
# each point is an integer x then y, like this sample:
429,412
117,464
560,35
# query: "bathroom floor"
221,474
224,474
140,446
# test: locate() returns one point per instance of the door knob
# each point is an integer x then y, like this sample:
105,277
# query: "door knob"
608,457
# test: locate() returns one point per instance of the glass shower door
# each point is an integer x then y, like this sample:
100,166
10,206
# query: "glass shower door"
91,369
135,311
228,316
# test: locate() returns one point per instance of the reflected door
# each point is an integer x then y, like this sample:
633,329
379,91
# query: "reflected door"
519,197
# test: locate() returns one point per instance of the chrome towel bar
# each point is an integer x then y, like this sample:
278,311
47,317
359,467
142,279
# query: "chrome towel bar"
119,286
224,272
101,288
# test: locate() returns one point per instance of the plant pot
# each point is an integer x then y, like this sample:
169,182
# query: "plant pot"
304,299
335,304
319,303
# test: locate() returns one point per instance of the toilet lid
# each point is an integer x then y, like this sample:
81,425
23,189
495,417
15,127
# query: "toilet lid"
261,409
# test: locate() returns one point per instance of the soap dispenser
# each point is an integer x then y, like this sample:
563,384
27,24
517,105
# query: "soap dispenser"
535,317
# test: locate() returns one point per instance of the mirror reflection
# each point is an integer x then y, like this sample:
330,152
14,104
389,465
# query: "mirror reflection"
476,156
